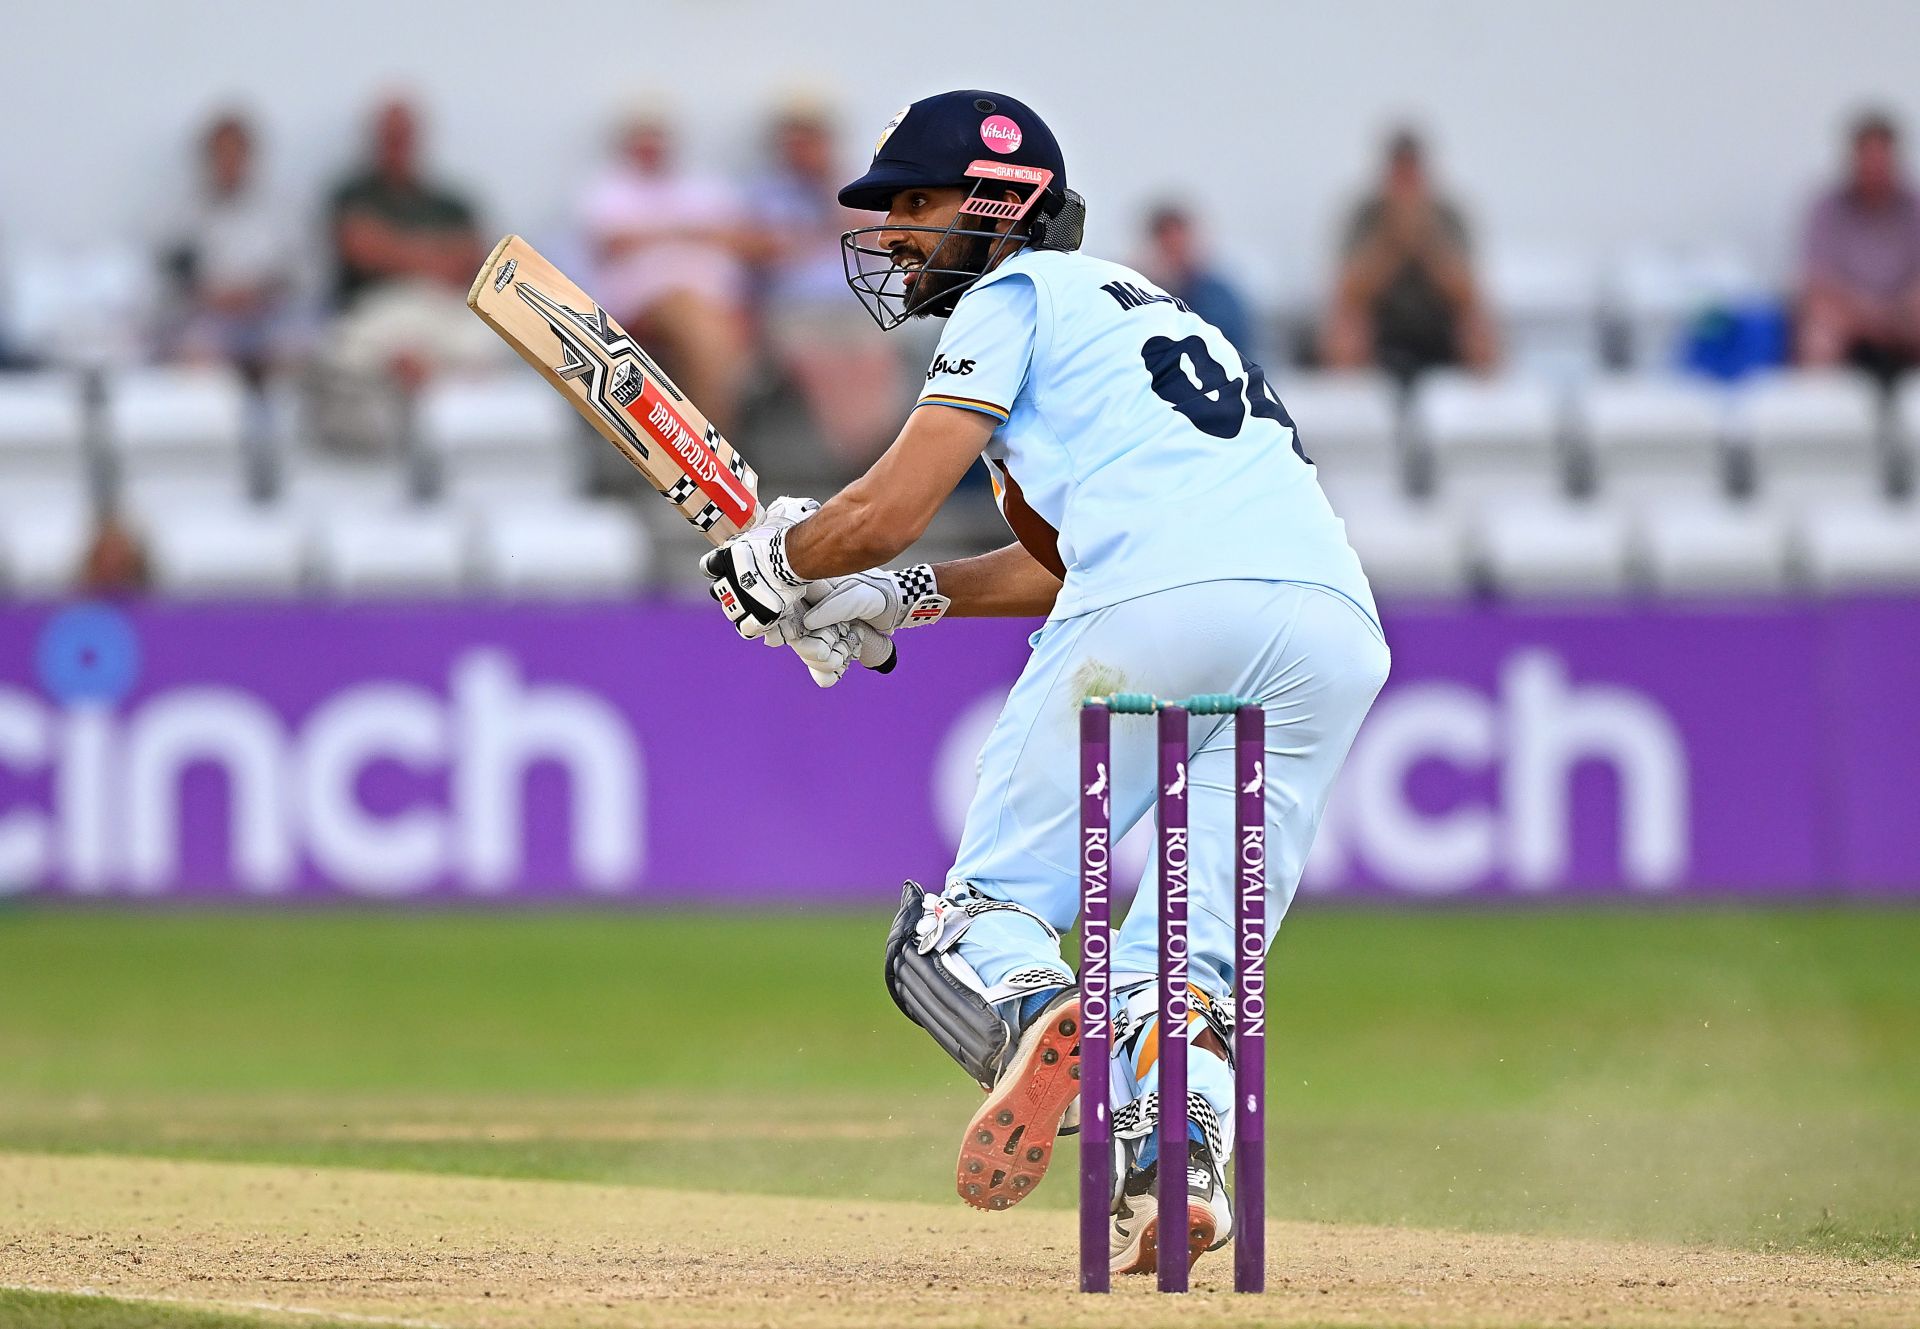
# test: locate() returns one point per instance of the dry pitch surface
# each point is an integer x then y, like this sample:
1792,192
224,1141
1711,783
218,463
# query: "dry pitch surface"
1673,1119
347,1245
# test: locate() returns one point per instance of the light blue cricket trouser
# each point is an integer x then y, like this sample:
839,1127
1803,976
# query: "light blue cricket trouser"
1311,656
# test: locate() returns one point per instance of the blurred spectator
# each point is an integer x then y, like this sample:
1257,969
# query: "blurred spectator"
667,248
1176,260
1860,291
390,224
232,262
407,250
1406,299
851,378
115,562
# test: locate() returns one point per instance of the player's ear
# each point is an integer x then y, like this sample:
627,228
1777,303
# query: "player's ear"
1014,197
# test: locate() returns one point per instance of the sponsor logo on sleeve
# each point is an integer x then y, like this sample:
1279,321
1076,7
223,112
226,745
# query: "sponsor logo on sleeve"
942,365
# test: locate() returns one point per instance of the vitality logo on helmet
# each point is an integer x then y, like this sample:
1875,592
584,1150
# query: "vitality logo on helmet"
1000,134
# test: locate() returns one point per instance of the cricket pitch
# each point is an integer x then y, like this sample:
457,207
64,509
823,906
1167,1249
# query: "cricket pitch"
301,1244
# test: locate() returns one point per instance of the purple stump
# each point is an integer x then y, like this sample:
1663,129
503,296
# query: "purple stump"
1250,1003
1173,999
1096,1008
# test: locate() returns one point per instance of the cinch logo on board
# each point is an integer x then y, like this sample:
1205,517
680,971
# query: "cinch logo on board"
1523,743
117,807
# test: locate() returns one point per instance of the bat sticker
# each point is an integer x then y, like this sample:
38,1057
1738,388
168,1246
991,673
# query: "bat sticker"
505,275
627,385
608,364
589,359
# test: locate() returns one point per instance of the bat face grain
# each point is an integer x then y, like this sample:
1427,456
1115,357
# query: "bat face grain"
616,386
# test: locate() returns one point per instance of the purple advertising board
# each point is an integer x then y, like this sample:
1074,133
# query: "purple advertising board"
640,753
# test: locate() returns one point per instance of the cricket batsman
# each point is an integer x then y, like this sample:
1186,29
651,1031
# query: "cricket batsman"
1170,529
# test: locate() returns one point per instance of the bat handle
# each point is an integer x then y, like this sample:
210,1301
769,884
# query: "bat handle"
863,641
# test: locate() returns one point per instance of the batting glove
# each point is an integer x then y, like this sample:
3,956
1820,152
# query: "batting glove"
752,581
828,651
885,600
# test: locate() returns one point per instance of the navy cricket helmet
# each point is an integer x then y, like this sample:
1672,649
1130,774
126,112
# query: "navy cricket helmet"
986,143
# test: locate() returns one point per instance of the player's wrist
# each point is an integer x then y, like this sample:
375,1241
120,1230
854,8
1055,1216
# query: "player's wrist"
778,567
806,551
921,603
778,522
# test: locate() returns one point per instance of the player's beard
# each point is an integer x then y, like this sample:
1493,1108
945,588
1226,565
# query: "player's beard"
956,263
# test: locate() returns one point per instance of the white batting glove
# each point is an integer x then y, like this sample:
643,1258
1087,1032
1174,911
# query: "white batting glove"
828,652
787,511
885,600
825,653
752,581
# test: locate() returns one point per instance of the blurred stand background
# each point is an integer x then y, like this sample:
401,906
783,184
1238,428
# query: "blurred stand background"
1595,320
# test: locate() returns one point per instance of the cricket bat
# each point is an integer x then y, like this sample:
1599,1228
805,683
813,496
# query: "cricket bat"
612,381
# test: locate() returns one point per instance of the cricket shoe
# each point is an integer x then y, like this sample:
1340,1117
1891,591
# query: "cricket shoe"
1009,1142
1136,1236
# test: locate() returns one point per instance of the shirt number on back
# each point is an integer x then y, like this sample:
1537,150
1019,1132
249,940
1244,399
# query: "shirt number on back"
1208,396
1213,403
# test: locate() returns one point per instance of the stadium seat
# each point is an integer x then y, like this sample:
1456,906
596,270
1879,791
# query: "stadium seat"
317,484
227,550
1490,439
564,549
1413,549
1653,437
43,452
413,551
1861,546
88,306
1349,424
505,438
1906,432
1710,546
41,549
314,474
1657,294
1354,411
46,482
178,437
1363,491
1812,436
1548,307
1553,548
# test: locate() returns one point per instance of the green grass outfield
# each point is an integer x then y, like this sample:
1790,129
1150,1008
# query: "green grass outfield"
1743,1077
59,1310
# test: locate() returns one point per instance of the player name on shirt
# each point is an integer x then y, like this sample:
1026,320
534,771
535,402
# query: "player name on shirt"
1130,296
